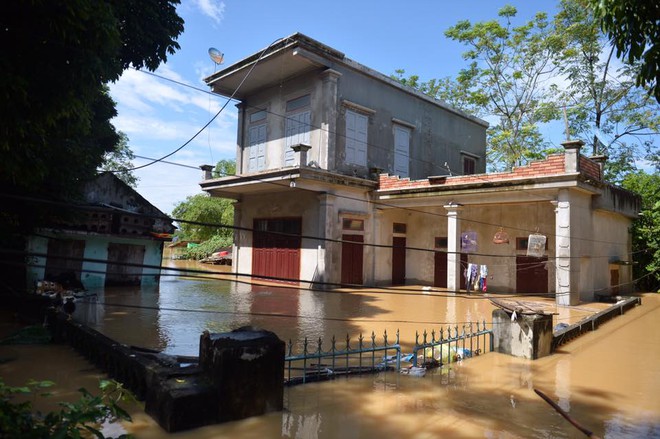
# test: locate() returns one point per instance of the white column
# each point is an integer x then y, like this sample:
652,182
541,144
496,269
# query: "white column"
567,270
453,247
325,248
239,237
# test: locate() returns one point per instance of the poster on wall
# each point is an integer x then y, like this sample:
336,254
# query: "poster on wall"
469,241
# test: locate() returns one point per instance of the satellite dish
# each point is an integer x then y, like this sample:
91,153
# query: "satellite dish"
216,55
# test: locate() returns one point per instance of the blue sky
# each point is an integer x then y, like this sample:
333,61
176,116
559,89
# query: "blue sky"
159,116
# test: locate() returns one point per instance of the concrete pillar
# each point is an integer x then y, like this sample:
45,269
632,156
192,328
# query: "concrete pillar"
453,247
327,148
240,160
246,369
527,336
326,230
239,237
567,276
301,150
600,160
572,155
207,171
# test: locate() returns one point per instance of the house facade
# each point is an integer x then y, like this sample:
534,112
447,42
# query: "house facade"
344,176
115,238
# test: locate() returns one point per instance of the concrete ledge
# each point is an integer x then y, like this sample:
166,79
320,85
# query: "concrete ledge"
593,322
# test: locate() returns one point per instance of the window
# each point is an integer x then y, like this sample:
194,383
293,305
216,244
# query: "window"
399,228
401,150
257,136
441,242
258,116
356,138
297,126
353,224
469,165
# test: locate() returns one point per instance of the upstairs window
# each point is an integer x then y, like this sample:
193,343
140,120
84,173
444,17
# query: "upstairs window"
356,138
297,126
469,163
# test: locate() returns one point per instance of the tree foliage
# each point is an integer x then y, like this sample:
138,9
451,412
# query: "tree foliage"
646,230
82,418
204,217
57,58
118,160
634,28
508,72
225,168
604,106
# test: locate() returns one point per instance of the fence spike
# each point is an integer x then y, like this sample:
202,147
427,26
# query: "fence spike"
385,337
433,336
373,339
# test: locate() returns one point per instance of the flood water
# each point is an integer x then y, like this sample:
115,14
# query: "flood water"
608,380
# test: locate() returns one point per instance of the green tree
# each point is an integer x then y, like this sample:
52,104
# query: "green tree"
646,229
509,67
57,58
203,217
225,168
604,106
119,161
634,28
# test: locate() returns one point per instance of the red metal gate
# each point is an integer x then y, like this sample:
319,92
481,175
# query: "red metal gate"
276,249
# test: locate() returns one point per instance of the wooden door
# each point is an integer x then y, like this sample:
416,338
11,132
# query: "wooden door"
352,259
398,260
531,275
124,264
64,259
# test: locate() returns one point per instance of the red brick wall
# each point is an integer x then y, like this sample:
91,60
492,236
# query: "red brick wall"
553,165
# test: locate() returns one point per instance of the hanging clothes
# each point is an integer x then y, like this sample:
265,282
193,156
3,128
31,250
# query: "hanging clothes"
476,277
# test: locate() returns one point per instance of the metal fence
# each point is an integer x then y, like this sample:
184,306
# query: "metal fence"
367,355
315,363
452,346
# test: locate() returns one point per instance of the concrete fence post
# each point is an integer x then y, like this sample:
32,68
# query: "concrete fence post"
246,369
526,336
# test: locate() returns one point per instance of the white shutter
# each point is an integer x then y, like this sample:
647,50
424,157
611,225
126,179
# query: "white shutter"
297,129
257,148
401,151
356,138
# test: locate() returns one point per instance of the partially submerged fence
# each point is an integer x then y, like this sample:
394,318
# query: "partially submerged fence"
451,347
315,363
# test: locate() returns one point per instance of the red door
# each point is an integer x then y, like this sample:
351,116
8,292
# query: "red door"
352,259
398,260
531,275
276,249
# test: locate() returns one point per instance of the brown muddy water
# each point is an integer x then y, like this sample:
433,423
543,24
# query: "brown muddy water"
608,380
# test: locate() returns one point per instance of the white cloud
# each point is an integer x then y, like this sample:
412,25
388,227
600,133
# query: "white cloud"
212,8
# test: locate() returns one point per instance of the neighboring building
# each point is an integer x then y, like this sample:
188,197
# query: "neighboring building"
115,238
345,176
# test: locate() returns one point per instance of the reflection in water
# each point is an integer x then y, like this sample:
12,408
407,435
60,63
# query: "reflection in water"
607,379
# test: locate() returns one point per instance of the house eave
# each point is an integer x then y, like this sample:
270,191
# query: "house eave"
281,180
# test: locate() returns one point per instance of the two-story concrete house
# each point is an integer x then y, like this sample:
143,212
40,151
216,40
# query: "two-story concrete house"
344,176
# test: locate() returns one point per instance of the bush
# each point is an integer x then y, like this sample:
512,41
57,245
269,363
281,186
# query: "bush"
74,420
206,248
